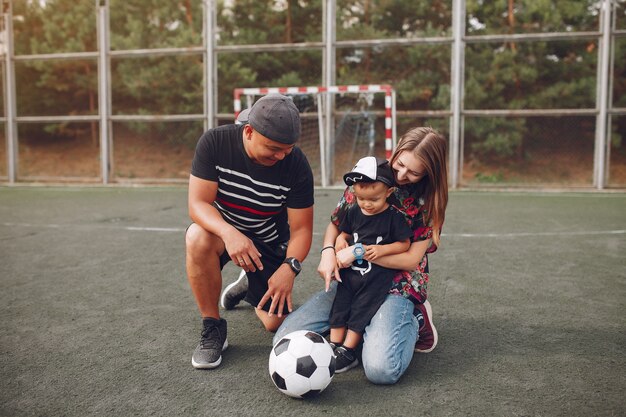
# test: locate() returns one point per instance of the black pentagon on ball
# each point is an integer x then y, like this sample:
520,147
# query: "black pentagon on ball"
279,381
305,366
312,393
331,366
314,337
281,346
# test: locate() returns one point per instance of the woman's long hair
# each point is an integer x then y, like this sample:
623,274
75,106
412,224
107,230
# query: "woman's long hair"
429,147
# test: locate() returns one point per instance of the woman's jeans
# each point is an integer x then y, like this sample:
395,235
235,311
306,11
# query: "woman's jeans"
388,341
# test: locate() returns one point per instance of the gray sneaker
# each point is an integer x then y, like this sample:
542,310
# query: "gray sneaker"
235,292
208,353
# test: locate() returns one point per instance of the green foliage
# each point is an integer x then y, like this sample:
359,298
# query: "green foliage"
56,87
420,74
522,75
269,21
495,138
57,26
488,17
490,178
244,22
619,90
142,24
526,75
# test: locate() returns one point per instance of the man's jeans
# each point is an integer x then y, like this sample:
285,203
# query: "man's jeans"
388,341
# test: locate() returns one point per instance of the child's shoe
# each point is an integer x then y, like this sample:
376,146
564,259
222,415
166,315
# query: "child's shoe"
346,359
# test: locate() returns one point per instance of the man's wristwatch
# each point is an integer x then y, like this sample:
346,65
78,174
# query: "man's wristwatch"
294,264
359,252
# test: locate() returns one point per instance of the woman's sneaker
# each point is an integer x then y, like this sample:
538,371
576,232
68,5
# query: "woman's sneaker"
427,334
345,359
235,292
213,342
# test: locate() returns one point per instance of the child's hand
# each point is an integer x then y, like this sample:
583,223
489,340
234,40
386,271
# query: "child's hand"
373,251
341,243
345,257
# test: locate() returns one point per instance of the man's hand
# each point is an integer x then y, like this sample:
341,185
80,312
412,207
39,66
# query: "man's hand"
279,290
242,251
345,257
327,268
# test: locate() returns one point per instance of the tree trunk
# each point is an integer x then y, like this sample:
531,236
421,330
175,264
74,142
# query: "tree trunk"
188,15
367,59
511,20
288,26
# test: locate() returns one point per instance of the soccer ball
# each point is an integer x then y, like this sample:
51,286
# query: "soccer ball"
302,364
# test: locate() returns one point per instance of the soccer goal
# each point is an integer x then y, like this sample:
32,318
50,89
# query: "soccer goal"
340,124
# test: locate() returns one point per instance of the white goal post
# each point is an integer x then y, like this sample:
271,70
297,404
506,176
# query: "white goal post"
320,120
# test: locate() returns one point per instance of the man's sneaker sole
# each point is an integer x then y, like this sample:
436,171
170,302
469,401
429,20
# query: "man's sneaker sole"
429,313
242,275
212,364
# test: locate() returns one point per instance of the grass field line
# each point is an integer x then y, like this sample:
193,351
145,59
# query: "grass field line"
93,226
533,234
449,235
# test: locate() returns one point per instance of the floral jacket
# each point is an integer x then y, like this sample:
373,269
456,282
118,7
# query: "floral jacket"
410,284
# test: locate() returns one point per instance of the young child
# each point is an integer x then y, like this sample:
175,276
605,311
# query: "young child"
376,229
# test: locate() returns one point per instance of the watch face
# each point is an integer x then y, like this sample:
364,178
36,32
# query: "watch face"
294,264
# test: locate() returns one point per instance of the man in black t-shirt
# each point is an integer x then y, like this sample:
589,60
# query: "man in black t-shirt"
251,201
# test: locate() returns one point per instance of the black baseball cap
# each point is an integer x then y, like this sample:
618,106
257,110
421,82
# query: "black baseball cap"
276,117
370,169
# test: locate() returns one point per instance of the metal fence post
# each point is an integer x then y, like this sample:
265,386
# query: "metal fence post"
611,84
329,75
602,94
104,88
210,64
10,107
456,89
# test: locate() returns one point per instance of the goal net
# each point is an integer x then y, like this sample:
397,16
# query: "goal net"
340,124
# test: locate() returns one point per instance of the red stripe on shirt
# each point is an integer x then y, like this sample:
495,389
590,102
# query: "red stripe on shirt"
248,209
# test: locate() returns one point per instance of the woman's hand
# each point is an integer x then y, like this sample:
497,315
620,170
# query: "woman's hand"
345,257
327,268
341,243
